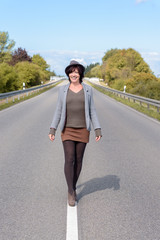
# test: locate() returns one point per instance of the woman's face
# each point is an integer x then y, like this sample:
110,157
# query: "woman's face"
74,76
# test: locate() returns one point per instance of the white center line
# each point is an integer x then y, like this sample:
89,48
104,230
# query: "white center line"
72,225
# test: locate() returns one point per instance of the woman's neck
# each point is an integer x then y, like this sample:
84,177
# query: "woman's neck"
76,87
77,84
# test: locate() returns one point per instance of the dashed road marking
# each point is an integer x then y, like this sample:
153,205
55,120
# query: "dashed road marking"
72,223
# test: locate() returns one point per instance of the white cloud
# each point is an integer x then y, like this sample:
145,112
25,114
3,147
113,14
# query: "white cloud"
153,60
80,60
155,56
58,60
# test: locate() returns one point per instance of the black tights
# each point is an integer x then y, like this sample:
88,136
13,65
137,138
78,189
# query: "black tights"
73,152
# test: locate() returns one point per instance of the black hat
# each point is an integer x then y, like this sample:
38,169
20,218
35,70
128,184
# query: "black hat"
75,63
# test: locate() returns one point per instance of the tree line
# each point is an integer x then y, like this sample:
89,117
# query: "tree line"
17,67
126,67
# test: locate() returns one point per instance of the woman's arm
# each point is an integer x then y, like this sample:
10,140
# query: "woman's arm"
57,114
56,118
94,118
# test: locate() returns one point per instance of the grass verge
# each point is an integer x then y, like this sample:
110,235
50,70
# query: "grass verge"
22,98
151,112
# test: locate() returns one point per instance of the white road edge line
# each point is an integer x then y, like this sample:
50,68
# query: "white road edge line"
72,223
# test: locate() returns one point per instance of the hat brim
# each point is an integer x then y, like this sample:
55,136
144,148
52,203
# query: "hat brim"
74,64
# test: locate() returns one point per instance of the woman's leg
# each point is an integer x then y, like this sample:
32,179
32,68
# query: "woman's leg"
79,152
69,153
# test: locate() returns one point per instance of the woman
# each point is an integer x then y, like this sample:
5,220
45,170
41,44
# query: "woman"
74,112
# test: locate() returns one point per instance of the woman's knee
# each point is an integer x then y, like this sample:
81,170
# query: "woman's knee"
69,160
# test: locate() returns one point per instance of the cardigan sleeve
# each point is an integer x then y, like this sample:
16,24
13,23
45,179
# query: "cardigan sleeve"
93,114
98,132
52,131
58,112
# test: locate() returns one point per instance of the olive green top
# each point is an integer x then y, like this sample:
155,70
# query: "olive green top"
75,116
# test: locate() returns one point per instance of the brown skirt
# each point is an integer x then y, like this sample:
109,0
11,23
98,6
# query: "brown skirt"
75,134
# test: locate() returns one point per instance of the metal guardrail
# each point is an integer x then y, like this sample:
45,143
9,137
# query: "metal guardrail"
25,91
148,101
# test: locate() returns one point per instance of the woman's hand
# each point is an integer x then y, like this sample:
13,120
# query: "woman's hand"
51,137
98,138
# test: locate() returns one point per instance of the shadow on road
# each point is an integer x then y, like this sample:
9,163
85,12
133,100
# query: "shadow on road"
99,184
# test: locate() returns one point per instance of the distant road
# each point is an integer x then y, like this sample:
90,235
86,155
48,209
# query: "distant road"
119,188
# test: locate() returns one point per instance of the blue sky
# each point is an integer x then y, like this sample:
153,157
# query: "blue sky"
84,30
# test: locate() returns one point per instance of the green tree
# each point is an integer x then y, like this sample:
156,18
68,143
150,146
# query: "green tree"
37,59
153,90
109,54
142,83
122,64
95,72
8,78
29,73
89,67
6,46
135,62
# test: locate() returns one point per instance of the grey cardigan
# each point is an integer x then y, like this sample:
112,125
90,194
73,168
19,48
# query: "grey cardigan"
90,111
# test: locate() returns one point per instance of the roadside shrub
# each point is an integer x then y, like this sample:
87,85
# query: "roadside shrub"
29,73
8,78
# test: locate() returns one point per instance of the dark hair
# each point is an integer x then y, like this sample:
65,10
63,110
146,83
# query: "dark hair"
72,69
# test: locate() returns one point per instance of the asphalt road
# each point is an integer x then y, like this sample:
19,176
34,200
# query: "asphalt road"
119,187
